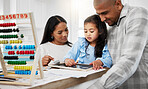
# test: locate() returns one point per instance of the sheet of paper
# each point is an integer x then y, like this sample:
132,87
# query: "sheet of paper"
52,75
72,73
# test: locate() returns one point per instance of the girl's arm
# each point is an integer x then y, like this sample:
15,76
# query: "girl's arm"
106,58
74,52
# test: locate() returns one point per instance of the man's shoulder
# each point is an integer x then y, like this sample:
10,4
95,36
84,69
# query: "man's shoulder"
137,11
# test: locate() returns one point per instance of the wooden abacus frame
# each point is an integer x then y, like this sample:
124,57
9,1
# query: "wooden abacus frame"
34,67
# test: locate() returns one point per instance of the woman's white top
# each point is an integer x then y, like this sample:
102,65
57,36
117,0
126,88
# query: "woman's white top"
56,51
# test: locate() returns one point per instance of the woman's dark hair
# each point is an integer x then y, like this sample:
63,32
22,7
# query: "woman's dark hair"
50,27
102,29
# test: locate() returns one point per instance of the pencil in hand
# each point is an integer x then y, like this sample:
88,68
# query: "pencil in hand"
77,60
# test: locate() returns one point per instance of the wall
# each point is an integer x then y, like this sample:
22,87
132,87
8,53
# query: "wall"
141,3
74,11
83,9
42,10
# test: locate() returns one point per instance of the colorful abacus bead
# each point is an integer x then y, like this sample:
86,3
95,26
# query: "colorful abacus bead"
31,57
4,42
26,52
15,36
15,57
32,46
8,36
25,72
8,30
8,47
29,47
7,24
31,52
14,30
20,41
5,30
23,47
17,62
17,30
11,57
21,52
20,47
26,46
17,52
15,47
11,52
22,36
11,41
22,67
1,36
15,41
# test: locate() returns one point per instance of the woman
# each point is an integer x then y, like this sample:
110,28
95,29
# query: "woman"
55,44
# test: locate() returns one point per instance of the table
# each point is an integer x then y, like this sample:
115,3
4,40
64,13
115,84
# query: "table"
69,82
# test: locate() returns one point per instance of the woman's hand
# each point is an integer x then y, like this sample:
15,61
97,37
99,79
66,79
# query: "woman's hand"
97,64
70,62
46,59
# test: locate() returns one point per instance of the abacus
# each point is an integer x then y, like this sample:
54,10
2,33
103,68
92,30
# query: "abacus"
16,49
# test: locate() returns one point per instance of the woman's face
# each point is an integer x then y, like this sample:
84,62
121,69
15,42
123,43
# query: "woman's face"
60,34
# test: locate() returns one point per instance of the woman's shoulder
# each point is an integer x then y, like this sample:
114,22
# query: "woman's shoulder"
49,45
45,44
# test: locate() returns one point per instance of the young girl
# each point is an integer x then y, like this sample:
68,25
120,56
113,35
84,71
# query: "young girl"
91,49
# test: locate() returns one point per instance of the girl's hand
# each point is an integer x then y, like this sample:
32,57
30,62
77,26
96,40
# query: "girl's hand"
97,64
46,60
70,62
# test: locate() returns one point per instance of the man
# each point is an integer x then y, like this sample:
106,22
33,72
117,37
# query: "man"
127,44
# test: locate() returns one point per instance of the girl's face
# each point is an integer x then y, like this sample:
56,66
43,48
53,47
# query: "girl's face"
91,33
60,34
